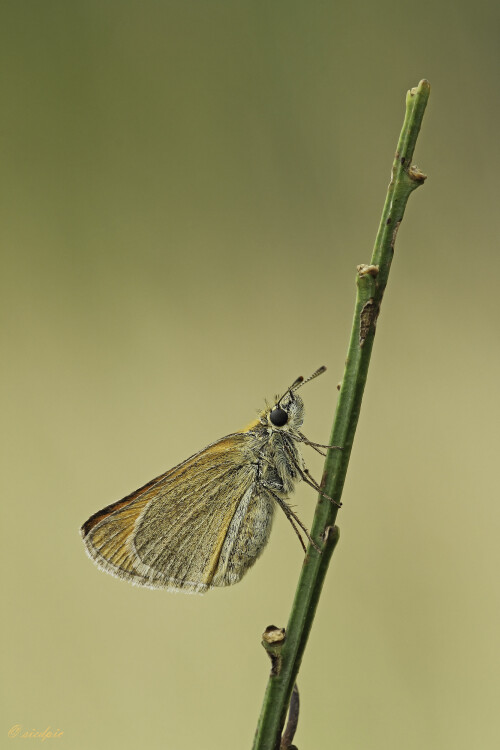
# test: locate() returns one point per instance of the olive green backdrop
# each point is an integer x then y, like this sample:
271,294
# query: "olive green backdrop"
187,189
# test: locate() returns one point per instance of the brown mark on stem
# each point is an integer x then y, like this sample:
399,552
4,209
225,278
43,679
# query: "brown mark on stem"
368,319
395,234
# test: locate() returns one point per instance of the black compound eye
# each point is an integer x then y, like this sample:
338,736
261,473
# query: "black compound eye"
278,417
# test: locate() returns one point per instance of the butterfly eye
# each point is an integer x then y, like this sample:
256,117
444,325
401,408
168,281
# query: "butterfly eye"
278,417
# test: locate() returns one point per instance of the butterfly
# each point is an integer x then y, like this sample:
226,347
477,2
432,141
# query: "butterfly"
205,522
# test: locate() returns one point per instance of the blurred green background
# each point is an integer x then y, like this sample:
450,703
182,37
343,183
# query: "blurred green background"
187,189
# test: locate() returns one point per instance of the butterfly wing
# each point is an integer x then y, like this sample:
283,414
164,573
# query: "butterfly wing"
171,532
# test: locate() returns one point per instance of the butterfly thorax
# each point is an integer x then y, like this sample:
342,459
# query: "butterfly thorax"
279,460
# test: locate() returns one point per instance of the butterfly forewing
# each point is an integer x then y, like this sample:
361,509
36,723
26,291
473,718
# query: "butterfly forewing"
171,532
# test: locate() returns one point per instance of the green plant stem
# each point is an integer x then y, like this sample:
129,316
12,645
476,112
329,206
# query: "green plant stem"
371,283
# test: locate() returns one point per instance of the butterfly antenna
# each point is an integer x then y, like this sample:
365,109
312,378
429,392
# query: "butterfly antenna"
300,381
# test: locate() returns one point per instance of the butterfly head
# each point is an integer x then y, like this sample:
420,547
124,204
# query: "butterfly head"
287,413
288,410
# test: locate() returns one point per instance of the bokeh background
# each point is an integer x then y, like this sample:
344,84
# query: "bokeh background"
187,189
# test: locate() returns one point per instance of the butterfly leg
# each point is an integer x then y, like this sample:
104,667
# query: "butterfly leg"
292,517
308,479
317,446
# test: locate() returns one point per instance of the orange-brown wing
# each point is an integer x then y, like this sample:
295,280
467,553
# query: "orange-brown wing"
170,533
